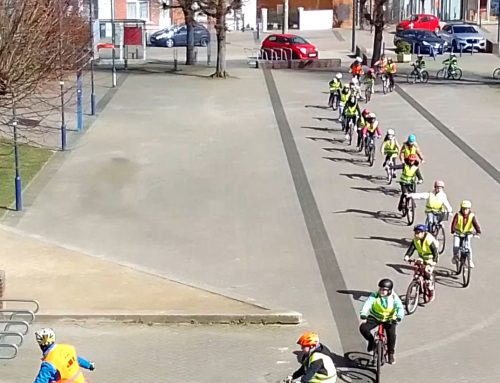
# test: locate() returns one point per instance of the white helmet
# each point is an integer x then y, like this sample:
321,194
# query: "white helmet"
371,116
466,204
338,75
45,337
391,132
358,59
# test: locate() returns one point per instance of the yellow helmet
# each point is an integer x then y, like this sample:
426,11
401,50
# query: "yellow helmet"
45,337
466,204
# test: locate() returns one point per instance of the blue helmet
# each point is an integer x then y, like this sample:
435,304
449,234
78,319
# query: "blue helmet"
412,139
420,228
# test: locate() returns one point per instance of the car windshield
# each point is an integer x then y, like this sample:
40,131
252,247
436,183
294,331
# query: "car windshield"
297,40
425,35
464,29
413,18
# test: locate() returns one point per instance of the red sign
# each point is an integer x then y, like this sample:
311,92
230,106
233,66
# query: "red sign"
132,36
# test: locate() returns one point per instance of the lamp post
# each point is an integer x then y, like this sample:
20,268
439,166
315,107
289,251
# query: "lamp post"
17,178
113,65
61,81
354,13
91,31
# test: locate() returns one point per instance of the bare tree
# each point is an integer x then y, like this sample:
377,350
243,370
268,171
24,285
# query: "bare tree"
40,41
219,9
188,8
379,23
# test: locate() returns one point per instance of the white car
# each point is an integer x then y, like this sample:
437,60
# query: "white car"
463,36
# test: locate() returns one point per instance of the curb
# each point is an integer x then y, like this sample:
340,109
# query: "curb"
281,318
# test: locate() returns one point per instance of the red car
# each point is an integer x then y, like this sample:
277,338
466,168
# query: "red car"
283,45
421,21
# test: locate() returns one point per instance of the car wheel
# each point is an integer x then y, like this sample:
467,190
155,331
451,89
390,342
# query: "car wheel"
169,43
204,42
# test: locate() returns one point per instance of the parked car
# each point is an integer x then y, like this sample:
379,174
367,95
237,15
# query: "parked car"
285,44
422,40
177,36
420,21
463,35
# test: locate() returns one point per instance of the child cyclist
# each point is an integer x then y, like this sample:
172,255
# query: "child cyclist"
390,147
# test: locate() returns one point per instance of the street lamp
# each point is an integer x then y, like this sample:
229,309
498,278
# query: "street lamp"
61,82
91,31
17,179
353,32
113,66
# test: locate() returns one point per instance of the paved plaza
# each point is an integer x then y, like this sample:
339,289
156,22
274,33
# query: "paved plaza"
244,191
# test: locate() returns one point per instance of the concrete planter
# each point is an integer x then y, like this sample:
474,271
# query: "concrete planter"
403,57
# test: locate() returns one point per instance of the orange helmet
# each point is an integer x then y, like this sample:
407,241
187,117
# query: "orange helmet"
308,339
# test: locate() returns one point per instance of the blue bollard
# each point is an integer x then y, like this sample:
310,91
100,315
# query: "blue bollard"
79,106
19,193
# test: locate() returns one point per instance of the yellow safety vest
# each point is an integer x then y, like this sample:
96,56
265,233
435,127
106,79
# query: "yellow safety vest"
64,360
344,97
351,111
370,128
407,150
462,227
424,247
335,85
327,363
408,173
434,205
390,147
383,313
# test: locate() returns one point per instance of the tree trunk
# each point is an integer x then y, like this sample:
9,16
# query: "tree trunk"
220,28
379,29
189,20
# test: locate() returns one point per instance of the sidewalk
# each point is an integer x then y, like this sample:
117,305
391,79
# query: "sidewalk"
69,284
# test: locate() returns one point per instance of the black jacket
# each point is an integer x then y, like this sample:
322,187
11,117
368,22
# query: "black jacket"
315,367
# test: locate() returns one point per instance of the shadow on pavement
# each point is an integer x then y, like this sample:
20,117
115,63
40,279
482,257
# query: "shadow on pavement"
381,189
327,119
365,177
331,140
404,269
358,368
358,295
317,106
355,161
320,129
343,150
385,216
399,242
446,277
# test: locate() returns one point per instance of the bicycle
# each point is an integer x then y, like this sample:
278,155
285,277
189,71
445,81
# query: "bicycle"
334,100
388,168
370,150
417,75
437,230
447,73
418,286
463,262
409,204
369,90
496,74
386,84
380,354
350,129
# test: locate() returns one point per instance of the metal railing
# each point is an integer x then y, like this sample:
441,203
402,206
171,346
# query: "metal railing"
19,319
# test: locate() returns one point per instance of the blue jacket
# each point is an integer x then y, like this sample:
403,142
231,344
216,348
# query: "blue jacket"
49,374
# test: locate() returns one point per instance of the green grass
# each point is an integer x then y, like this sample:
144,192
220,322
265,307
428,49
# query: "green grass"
31,160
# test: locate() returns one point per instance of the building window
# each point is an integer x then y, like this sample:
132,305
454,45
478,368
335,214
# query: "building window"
137,9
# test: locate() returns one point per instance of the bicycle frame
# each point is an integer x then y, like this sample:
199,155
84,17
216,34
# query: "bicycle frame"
380,338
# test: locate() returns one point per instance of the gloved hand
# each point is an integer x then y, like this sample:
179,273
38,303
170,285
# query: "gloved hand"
419,181
406,258
92,366
477,236
288,379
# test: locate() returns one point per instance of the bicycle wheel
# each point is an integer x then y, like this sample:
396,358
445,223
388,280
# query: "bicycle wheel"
457,75
384,86
459,265
411,78
380,355
410,215
351,132
466,271
441,237
412,294
371,158
424,76
441,74
368,95
496,74
389,175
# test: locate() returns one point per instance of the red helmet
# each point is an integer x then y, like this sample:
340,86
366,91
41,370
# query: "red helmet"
365,112
308,339
412,157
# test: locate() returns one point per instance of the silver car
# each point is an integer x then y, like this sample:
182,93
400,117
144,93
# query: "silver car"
463,35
